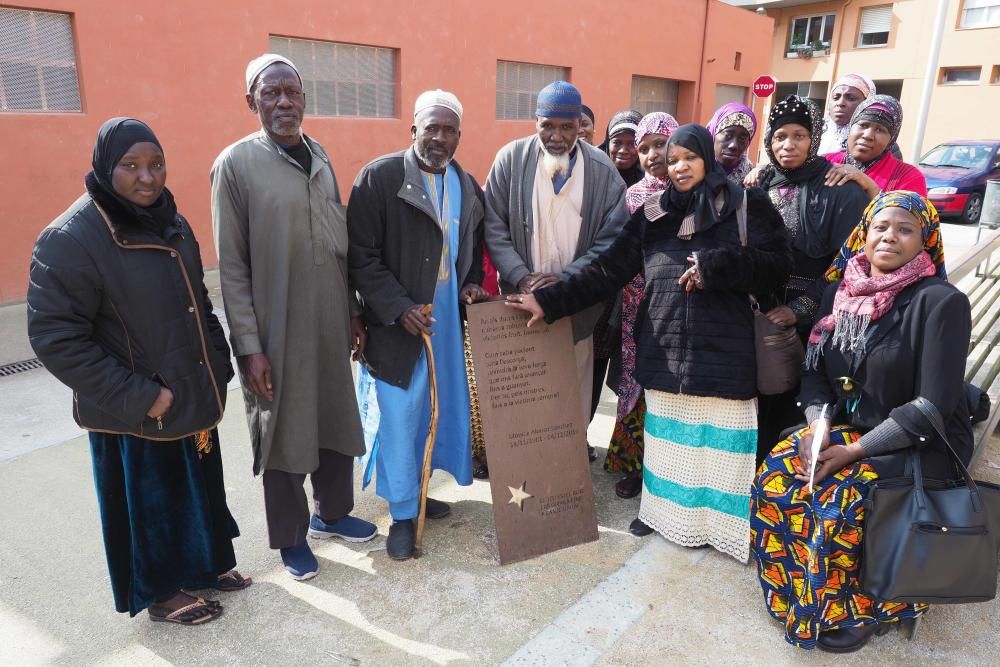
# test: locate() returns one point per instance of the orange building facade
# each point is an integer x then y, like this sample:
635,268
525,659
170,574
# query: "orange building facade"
179,66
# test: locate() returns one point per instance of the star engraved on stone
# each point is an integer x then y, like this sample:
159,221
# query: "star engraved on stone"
518,496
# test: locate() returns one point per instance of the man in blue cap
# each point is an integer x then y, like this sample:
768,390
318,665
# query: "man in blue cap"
553,204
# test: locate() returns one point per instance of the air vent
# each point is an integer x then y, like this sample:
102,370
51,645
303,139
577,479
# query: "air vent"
19,367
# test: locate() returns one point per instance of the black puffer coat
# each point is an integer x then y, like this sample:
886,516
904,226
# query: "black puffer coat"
699,343
115,311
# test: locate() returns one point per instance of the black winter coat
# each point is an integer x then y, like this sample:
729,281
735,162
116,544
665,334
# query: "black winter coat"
701,342
395,252
115,311
918,348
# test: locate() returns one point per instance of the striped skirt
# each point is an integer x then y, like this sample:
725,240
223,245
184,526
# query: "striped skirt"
698,469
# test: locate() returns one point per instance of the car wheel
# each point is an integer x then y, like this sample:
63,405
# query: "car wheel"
973,208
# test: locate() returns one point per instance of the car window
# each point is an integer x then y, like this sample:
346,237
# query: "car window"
965,156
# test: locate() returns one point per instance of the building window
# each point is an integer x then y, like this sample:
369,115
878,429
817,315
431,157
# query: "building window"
980,14
875,24
518,85
995,75
725,94
651,94
37,62
967,76
343,79
810,34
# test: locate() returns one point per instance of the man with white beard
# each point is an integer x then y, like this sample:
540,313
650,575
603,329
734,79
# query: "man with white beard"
553,204
415,222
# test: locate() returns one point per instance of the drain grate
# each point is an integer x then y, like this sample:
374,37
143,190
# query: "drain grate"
19,367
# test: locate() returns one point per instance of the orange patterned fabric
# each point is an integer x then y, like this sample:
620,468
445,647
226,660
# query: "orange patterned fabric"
808,548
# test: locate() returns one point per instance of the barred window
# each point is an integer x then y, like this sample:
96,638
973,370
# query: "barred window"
651,94
518,85
343,79
37,62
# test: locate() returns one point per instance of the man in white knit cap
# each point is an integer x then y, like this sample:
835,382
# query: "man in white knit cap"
415,220
282,240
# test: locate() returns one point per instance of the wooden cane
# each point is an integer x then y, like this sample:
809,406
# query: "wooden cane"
425,477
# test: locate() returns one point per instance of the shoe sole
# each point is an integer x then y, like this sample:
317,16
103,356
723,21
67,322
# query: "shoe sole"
406,557
302,577
320,535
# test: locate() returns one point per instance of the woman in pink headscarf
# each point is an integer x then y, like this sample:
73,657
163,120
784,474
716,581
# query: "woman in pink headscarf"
733,127
847,94
625,449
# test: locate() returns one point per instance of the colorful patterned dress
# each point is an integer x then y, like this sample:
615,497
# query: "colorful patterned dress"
808,550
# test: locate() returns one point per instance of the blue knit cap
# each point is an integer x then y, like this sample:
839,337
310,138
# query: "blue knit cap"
559,99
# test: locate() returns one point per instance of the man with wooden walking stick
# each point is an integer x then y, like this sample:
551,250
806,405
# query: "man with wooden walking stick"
415,222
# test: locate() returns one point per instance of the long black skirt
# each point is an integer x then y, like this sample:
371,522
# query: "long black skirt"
164,514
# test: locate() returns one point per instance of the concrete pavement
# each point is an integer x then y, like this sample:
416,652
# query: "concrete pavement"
617,601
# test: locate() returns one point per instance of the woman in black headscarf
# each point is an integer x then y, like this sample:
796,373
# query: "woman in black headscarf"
694,340
619,144
819,218
118,311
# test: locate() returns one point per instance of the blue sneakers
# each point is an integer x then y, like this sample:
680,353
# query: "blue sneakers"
348,528
300,562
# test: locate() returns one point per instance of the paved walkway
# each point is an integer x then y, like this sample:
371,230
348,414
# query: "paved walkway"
617,601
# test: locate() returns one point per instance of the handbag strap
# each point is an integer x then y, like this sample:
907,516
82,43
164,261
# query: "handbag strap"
741,219
933,416
741,223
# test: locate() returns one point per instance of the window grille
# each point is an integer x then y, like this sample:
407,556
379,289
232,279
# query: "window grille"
343,79
651,94
37,62
518,85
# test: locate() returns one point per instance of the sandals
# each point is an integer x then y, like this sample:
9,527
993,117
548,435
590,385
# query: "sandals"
232,581
198,612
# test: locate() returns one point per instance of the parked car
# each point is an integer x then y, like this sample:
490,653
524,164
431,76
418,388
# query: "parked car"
956,174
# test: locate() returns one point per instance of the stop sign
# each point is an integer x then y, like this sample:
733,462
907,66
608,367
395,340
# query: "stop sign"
763,86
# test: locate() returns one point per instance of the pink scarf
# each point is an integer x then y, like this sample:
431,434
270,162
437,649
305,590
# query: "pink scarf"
861,299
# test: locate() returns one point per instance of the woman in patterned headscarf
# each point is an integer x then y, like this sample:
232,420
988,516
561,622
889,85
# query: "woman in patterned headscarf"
890,332
868,160
625,449
846,95
818,217
733,126
919,207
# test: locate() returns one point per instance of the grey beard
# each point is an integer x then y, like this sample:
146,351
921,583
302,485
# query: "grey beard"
433,163
281,128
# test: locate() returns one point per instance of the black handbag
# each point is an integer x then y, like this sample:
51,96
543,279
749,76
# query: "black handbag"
778,349
929,540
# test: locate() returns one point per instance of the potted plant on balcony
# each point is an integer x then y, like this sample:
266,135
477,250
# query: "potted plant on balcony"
804,51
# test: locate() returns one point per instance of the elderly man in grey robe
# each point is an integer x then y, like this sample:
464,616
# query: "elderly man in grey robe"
281,234
553,204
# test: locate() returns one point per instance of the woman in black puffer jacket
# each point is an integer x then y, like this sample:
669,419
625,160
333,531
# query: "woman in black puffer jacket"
118,311
694,342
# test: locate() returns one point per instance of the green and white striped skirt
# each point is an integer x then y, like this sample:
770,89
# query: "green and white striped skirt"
698,468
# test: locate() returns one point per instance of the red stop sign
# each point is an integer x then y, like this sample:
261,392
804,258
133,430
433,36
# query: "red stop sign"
763,86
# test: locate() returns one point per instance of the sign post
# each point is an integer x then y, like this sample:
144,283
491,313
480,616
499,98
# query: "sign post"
535,433
764,85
